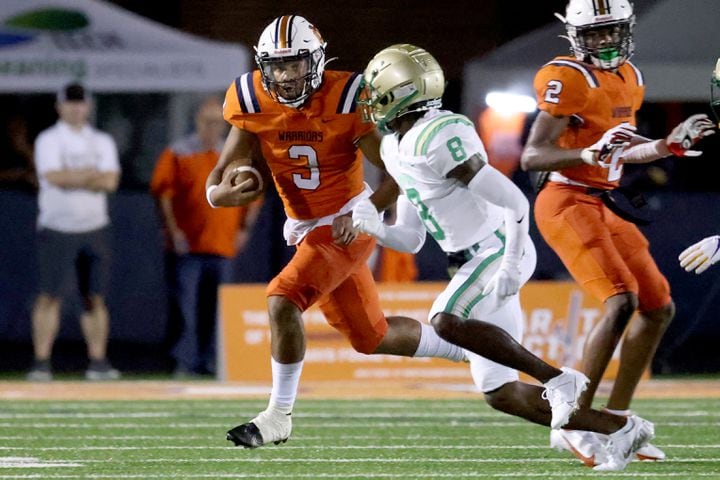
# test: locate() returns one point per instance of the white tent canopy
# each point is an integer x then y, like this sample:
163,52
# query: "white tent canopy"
45,43
677,43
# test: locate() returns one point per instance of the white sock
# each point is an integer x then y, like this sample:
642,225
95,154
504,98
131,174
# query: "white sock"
431,345
623,413
285,380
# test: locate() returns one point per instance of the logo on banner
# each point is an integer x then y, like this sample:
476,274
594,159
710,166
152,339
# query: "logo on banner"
66,28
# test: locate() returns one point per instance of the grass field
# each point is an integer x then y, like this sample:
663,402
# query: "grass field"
421,439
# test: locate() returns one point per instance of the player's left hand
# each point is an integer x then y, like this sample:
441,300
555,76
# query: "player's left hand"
700,256
601,152
504,283
343,232
366,218
688,133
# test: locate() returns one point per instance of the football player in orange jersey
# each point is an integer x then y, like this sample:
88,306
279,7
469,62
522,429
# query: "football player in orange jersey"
583,135
303,121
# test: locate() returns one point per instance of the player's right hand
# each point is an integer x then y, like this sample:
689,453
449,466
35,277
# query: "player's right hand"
700,256
688,133
505,282
343,231
366,218
600,153
228,195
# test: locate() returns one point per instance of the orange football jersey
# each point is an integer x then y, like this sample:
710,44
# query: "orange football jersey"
311,151
596,100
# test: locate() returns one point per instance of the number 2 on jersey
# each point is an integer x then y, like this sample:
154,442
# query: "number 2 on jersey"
552,93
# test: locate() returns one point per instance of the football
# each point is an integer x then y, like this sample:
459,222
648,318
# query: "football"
239,173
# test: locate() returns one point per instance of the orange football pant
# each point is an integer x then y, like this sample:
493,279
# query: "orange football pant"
339,279
604,253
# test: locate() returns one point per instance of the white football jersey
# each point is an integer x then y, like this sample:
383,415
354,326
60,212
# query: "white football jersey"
419,163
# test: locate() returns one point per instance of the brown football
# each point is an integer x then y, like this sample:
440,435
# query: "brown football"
240,172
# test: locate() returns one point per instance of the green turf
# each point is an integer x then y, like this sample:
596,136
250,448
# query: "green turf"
421,439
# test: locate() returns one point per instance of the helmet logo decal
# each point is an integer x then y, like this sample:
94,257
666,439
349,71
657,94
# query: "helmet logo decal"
601,8
283,34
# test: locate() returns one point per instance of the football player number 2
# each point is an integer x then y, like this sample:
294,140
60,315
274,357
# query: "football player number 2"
552,93
310,180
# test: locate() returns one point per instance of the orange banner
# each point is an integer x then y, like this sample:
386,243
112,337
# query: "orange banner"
558,316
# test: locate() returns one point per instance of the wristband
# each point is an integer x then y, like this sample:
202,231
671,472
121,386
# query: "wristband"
208,194
646,152
588,156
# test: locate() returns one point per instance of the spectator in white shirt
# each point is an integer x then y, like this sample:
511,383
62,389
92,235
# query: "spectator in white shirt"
77,166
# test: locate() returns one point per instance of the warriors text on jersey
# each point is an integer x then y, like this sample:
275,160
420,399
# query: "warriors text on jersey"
596,100
419,163
311,150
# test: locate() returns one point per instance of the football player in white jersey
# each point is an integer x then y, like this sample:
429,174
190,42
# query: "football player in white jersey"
480,219
705,253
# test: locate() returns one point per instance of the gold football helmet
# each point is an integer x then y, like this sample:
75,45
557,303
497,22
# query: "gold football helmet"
400,79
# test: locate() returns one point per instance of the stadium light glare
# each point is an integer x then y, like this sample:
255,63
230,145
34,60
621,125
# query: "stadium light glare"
510,103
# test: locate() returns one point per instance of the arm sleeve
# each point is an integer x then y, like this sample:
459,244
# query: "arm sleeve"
494,187
561,91
408,233
454,143
232,112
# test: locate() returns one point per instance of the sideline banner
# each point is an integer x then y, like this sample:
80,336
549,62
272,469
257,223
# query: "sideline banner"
558,317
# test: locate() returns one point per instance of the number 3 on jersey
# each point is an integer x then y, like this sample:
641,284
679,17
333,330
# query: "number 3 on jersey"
430,223
302,181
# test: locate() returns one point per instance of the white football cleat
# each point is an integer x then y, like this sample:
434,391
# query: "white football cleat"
269,426
563,392
622,445
650,453
588,447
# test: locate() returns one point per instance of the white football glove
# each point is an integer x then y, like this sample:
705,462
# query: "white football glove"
688,133
600,153
504,283
700,256
367,219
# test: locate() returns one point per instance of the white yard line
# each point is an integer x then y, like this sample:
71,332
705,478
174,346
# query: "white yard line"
33,462
297,438
301,421
317,447
477,475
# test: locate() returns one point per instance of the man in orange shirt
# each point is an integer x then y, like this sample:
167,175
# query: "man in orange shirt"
305,123
202,240
583,135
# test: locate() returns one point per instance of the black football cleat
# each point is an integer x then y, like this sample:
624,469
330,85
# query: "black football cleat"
246,435
277,427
